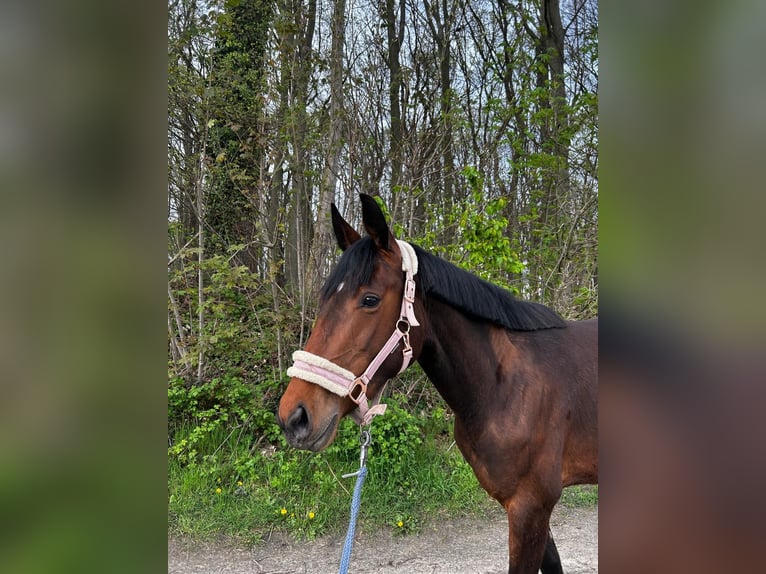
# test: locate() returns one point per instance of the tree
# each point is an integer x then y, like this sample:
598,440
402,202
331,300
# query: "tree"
278,107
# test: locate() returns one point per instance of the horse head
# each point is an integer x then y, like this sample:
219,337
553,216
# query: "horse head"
364,301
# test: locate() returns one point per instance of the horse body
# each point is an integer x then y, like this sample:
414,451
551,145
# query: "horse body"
525,417
521,382
510,392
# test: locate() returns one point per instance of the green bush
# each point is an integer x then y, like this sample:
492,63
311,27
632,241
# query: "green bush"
240,478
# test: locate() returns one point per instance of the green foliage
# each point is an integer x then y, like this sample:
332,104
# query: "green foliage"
580,496
245,484
198,414
397,436
241,383
479,230
238,336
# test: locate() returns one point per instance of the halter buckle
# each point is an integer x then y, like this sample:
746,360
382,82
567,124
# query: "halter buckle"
409,289
357,391
407,347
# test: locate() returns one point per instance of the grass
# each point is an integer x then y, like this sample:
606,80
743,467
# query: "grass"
580,496
413,474
245,491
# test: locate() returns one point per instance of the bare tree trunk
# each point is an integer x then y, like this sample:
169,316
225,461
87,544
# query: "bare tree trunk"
187,212
556,137
178,341
321,243
394,36
299,48
201,257
552,40
444,41
273,271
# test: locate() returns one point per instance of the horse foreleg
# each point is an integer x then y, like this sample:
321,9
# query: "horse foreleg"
551,562
530,544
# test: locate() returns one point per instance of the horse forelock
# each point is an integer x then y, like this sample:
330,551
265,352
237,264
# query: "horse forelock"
353,270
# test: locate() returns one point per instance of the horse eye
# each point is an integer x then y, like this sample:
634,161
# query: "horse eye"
370,301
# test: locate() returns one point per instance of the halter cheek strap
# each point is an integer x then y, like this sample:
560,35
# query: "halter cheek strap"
334,378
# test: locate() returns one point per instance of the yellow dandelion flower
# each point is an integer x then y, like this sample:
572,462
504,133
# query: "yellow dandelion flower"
239,483
400,524
283,511
311,515
218,491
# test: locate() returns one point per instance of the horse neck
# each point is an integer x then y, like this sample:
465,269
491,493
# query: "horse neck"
458,356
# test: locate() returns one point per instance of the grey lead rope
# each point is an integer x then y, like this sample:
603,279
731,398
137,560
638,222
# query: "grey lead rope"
360,474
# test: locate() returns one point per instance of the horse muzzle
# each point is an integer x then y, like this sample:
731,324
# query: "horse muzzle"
301,432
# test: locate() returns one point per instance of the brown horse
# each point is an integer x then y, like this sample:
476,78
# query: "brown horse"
521,381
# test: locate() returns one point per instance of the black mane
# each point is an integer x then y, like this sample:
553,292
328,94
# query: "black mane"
481,299
444,281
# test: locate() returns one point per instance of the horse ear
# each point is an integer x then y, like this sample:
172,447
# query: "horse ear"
344,233
375,222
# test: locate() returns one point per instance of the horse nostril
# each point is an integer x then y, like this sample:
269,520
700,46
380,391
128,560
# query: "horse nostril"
298,423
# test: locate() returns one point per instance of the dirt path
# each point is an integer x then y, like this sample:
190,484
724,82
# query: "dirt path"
457,547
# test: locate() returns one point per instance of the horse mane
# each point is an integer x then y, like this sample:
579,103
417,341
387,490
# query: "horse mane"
474,296
449,284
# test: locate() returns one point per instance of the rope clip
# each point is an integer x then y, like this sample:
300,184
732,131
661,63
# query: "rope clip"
364,440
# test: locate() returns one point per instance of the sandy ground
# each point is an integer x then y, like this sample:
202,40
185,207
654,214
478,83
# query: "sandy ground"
466,546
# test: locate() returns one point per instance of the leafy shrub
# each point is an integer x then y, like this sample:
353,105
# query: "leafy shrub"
239,333
479,241
237,395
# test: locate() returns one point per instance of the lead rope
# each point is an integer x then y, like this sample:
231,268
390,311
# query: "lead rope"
360,474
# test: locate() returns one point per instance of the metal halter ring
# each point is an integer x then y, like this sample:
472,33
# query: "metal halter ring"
357,391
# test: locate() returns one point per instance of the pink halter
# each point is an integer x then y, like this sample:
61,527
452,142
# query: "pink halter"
336,379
